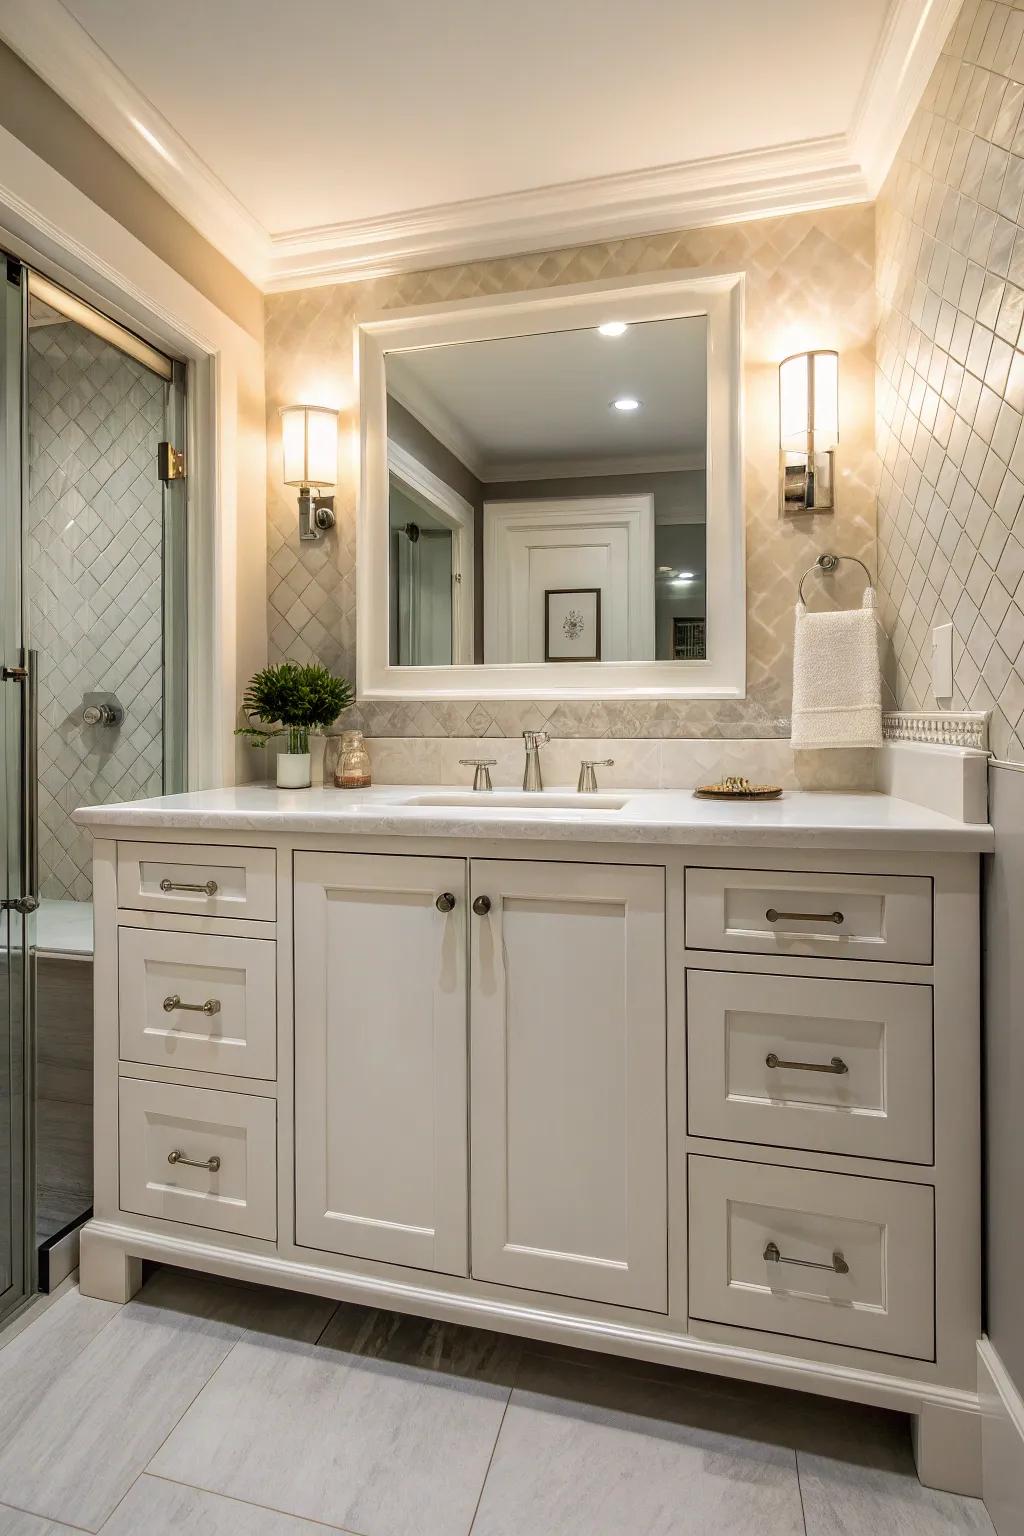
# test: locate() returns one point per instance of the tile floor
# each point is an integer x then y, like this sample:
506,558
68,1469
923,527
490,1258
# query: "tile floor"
232,1411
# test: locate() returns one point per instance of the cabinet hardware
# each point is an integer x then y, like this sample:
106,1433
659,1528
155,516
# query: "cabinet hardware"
773,916
212,1005
208,888
838,1265
837,1064
482,905
445,902
211,1165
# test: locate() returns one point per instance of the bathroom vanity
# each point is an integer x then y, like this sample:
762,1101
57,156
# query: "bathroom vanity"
690,1082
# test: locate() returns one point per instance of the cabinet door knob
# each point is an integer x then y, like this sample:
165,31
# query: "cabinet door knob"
445,902
482,905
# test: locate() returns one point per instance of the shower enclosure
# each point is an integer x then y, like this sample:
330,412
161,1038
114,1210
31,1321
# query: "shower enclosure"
92,708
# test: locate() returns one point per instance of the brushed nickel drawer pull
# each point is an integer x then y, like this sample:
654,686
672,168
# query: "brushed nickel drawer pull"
774,915
208,888
838,1266
211,1165
211,1006
837,1064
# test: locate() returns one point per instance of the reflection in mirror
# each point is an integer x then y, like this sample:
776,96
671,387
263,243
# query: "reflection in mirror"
547,497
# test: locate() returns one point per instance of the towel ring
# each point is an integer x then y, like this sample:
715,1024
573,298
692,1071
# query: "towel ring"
828,562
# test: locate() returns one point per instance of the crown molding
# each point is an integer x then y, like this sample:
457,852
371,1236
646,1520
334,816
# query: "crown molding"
58,49
816,173
912,41
790,178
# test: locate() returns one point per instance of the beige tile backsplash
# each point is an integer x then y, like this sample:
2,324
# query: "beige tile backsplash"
950,385
810,283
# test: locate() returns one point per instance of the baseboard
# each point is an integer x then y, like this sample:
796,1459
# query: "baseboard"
106,1243
1002,1443
58,1255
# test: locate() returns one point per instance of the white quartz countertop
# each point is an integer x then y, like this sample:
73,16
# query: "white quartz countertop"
800,819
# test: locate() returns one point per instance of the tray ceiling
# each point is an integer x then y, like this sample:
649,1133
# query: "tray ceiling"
331,138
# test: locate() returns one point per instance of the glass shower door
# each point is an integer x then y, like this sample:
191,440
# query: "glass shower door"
16,898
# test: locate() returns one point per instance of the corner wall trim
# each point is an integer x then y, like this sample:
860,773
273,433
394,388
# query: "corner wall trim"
1002,1442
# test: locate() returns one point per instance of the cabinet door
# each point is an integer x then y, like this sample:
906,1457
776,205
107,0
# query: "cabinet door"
380,1058
568,1079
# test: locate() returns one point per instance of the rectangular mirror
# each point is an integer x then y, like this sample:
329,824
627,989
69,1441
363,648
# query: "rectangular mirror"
551,496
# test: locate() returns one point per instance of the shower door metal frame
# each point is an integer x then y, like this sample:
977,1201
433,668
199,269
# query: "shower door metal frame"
17,797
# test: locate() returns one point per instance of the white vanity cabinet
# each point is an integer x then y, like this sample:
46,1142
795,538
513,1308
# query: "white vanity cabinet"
380,1057
567,1042
651,1098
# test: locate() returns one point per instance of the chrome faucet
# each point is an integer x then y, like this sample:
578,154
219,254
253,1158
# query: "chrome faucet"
533,741
481,771
586,784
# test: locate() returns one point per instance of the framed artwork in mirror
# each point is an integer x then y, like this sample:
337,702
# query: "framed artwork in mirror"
572,624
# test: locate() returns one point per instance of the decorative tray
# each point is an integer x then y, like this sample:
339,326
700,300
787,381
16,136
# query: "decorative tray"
734,788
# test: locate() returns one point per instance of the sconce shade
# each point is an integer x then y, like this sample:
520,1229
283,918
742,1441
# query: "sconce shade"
309,445
809,402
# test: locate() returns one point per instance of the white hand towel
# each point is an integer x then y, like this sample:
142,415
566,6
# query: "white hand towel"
837,679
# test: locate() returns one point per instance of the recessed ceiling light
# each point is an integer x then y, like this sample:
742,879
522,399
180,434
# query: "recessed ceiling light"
626,403
612,328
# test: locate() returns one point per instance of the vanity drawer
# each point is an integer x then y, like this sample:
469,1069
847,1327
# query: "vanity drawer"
785,912
208,880
198,1001
162,1124
814,1255
754,1043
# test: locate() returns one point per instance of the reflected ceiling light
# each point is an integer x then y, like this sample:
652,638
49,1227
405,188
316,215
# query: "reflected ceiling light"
612,328
626,403
309,446
683,578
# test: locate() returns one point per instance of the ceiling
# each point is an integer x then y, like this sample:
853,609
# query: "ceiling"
542,404
333,138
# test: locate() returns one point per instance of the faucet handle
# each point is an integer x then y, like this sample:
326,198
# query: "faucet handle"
535,739
586,784
482,770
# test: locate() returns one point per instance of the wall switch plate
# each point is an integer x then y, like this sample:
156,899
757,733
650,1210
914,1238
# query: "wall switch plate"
942,661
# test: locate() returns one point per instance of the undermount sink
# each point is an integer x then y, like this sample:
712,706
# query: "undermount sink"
491,800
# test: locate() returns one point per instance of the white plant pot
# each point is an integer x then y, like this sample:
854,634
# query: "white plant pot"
293,770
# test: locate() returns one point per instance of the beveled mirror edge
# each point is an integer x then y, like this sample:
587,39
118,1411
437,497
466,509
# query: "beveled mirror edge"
675,295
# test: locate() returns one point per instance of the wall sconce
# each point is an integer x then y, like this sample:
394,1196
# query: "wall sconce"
309,446
808,432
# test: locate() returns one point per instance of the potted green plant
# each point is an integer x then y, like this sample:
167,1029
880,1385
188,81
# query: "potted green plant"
292,700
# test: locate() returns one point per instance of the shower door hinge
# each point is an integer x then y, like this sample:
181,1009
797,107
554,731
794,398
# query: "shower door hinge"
170,463
14,674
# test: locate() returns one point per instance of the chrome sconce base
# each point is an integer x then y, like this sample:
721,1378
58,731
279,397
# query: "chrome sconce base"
806,483
316,514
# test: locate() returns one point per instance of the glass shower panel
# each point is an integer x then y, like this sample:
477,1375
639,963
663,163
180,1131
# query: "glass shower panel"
97,580
16,1273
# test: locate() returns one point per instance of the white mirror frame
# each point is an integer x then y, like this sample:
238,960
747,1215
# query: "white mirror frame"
722,675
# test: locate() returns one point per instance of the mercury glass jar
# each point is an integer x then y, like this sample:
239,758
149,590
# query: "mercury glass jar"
353,770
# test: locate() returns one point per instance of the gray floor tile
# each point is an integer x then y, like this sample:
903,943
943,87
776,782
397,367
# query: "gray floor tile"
79,1446
386,1427
857,1478
39,1356
14,1522
159,1508
590,1452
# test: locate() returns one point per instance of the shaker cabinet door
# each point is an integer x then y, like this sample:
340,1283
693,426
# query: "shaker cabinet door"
380,1058
568,1079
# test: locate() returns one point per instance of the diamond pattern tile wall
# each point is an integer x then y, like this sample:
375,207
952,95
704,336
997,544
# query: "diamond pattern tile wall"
810,282
92,584
950,387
